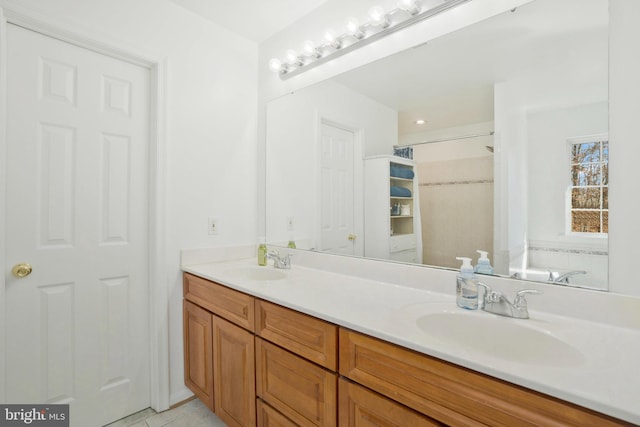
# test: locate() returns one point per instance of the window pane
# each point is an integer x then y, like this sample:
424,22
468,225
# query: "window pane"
585,221
585,198
587,152
582,175
590,193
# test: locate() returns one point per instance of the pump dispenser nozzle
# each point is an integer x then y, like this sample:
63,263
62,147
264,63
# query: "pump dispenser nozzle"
466,265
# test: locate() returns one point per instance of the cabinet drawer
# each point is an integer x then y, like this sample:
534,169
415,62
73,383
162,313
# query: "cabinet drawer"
402,243
311,338
452,394
225,302
269,417
359,406
302,391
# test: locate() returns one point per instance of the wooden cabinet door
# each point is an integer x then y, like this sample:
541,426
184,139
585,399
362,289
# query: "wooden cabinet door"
360,407
302,391
234,374
198,360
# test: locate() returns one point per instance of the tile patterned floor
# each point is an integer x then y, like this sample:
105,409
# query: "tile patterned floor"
191,414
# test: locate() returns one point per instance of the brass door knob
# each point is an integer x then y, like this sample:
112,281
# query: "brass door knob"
21,270
351,237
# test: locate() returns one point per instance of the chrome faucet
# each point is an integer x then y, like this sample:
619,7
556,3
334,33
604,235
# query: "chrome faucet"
556,277
280,262
495,302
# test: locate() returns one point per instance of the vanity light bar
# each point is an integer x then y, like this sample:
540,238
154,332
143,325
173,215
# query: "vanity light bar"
379,24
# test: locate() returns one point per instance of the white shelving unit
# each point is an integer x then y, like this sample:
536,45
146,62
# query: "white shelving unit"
390,233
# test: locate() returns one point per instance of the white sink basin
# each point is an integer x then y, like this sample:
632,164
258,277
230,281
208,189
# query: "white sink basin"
515,340
256,273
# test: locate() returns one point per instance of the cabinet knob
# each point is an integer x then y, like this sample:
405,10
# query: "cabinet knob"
351,237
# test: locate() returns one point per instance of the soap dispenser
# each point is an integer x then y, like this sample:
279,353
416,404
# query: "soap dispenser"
484,265
262,252
466,286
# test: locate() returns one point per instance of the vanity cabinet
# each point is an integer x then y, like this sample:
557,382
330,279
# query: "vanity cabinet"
219,349
392,218
451,394
238,348
256,363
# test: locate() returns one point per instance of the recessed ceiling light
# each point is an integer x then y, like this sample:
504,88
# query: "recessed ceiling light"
420,122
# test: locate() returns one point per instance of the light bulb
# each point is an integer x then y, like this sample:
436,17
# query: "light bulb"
353,28
377,16
292,57
308,47
331,38
275,65
410,6
311,50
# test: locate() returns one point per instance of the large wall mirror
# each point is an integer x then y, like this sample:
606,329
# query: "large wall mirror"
512,158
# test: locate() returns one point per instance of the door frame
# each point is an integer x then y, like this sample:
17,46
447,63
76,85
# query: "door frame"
158,292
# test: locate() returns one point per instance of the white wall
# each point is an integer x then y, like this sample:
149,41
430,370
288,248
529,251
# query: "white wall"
211,125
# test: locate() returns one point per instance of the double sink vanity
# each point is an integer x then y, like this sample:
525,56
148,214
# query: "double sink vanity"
349,344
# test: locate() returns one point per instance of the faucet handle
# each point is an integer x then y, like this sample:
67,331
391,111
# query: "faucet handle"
520,300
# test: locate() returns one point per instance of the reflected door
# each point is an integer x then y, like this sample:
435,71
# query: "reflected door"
336,187
77,325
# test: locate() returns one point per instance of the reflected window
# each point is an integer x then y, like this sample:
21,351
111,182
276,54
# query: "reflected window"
589,209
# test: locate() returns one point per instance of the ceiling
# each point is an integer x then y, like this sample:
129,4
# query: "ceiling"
256,20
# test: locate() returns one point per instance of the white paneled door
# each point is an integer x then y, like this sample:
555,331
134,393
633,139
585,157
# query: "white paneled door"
77,328
336,199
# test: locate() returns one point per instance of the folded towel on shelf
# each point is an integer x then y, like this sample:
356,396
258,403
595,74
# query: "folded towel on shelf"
398,171
400,191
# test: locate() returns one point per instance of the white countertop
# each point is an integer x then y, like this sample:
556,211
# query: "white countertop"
605,377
